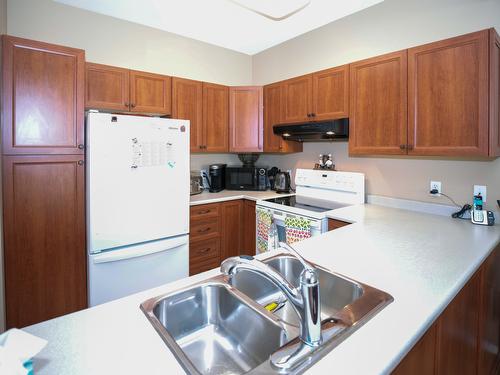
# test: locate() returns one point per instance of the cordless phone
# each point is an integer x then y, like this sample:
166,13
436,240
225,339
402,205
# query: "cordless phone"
480,216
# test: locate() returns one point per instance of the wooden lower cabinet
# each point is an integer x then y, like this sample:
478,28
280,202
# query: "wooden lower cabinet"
465,338
44,237
219,231
336,224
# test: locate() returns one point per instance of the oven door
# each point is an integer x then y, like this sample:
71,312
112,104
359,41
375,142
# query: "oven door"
275,226
241,179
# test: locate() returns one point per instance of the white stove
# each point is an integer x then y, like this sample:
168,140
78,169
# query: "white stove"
299,216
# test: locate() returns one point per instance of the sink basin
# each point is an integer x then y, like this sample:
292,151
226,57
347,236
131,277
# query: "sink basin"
207,327
336,291
220,326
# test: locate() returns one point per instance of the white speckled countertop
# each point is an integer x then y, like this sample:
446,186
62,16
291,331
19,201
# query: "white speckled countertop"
228,195
422,260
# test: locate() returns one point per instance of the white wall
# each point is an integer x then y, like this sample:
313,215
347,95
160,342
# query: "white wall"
385,27
115,42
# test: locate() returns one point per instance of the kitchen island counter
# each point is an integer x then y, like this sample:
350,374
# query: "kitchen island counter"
422,260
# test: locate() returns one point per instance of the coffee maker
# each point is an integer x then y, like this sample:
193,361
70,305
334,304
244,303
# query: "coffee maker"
217,174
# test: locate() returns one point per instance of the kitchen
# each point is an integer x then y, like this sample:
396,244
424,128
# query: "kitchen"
399,239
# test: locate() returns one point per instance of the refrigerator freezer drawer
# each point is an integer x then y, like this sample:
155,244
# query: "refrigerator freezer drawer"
121,272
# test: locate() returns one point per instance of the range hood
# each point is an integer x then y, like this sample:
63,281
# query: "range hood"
320,131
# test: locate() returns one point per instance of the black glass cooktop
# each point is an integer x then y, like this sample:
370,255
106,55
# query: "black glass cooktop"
305,203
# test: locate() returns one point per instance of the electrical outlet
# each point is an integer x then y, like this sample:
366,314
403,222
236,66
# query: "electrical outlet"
436,185
480,189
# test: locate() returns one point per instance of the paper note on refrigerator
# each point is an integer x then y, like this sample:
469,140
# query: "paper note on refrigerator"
153,154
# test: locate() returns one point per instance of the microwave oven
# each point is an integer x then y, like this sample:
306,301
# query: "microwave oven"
246,178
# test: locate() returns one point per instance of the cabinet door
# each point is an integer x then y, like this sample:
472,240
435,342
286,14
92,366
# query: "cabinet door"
489,322
331,93
494,93
458,332
150,93
215,117
297,99
44,228
378,122
43,98
245,119
273,114
231,215
448,97
187,104
106,87
421,358
249,228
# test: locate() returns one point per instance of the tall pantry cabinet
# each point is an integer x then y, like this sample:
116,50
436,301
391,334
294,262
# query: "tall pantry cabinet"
43,180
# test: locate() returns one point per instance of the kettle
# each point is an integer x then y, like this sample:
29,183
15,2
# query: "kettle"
282,182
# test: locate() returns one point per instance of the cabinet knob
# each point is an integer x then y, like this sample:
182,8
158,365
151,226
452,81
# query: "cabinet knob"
80,162
402,147
313,114
127,104
308,115
81,147
132,105
410,147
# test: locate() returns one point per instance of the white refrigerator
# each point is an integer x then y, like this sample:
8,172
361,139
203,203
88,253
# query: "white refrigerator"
137,203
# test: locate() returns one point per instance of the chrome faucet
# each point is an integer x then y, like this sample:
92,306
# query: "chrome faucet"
305,299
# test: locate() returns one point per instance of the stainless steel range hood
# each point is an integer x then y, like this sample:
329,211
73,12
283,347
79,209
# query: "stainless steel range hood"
321,131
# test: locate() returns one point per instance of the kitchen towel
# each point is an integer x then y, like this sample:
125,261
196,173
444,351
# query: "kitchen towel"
264,219
297,229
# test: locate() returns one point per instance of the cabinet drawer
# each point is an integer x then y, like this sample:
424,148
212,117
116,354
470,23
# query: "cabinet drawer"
204,211
199,266
205,228
201,251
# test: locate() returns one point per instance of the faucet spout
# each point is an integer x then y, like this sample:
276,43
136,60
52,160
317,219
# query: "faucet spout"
305,299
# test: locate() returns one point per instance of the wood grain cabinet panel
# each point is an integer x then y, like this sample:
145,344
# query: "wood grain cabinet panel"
448,97
215,117
297,99
494,93
378,123
273,114
43,98
489,322
421,359
330,89
106,87
249,228
44,227
232,228
187,104
150,93
246,119
336,224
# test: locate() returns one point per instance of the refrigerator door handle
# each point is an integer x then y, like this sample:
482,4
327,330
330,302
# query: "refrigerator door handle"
139,250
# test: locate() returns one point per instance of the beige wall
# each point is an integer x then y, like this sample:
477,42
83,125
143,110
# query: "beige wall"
386,27
111,41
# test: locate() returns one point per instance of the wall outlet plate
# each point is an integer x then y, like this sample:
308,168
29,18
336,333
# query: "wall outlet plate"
436,185
480,189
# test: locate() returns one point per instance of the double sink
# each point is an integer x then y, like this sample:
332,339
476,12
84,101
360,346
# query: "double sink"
234,325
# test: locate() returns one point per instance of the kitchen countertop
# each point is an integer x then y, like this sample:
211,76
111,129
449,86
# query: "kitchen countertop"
228,195
422,260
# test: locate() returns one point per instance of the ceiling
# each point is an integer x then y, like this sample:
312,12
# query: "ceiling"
224,22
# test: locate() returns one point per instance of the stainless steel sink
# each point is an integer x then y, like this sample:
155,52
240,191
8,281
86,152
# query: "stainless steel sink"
213,331
221,325
336,291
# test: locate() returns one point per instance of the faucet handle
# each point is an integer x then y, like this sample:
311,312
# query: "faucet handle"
308,266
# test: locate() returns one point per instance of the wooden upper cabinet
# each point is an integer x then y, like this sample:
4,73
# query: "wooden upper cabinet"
330,93
106,87
273,113
378,121
187,104
297,99
150,93
448,97
43,98
215,117
245,119
44,237
494,93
